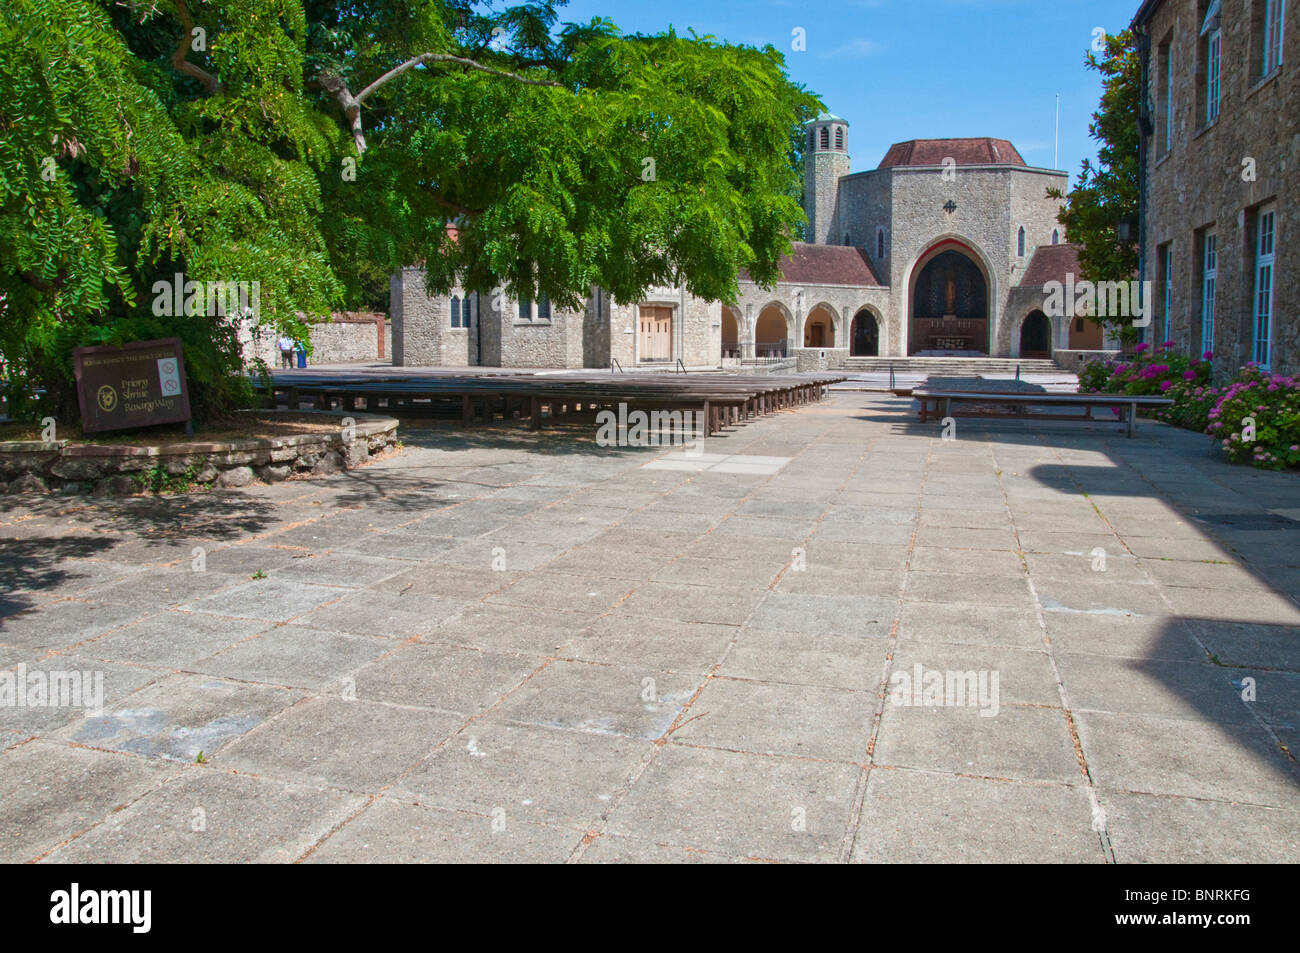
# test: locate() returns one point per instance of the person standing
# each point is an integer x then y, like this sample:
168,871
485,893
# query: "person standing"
286,351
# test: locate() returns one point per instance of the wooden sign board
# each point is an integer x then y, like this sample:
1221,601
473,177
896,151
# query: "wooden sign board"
136,385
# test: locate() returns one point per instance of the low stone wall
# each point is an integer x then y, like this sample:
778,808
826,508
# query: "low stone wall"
1073,361
819,358
36,467
350,337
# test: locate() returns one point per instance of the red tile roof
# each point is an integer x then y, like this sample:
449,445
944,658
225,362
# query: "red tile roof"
963,151
1051,263
826,265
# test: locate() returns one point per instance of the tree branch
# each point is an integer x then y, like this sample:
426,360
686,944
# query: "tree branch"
449,58
335,85
210,82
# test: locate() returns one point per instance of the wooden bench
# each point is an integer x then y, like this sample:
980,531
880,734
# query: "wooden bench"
940,403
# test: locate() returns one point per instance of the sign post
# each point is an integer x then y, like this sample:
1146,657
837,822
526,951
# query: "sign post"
136,385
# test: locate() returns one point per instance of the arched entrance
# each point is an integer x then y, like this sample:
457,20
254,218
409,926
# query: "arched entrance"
771,332
864,340
949,303
1036,336
819,328
730,334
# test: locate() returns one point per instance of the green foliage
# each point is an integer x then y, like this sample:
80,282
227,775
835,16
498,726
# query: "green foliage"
1257,419
158,480
1107,193
133,148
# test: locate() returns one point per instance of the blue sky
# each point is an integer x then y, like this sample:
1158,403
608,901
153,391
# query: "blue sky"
917,69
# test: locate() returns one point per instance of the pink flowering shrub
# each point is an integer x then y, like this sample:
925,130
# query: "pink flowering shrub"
1257,419
1152,372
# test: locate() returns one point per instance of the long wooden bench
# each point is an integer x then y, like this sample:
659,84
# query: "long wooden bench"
722,398
940,403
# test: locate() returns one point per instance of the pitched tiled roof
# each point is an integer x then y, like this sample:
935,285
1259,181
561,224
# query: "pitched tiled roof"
962,151
826,265
1051,263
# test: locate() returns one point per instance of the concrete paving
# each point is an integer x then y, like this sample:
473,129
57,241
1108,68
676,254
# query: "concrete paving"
855,642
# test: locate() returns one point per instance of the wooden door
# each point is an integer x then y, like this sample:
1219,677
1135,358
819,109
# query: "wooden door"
656,334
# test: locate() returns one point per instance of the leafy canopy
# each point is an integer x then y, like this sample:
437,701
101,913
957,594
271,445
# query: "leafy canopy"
315,146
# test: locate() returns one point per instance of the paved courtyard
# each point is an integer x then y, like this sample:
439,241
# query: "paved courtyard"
500,646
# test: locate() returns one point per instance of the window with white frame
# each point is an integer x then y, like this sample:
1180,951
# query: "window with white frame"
1212,35
1265,248
1209,283
1274,22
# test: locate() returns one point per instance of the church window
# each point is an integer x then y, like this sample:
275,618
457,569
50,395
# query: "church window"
1020,243
525,309
839,139
1056,236
455,311
826,137
880,243
544,309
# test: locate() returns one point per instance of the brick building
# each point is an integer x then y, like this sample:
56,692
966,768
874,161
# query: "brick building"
1221,152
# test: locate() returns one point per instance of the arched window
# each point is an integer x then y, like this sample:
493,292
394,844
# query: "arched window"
880,243
826,137
846,239
455,311
839,139
1020,243
1056,236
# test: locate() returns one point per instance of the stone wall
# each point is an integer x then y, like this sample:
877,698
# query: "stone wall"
842,301
1202,182
1073,361
819,358
992,203
36,467
350,337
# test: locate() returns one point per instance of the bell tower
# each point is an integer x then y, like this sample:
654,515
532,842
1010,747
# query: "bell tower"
825,162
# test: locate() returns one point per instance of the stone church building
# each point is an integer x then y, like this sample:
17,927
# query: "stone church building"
943,249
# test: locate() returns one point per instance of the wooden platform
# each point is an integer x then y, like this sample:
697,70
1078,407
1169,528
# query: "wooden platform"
527,395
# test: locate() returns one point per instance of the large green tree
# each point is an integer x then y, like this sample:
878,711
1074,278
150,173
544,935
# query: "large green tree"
314,146
1106,193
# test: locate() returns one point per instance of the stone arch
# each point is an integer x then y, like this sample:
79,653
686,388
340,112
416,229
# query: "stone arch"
866,333
825,316
971,250
1034,336
772,330
731,324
